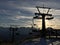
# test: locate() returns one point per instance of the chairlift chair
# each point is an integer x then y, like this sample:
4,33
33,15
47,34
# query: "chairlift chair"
50,18
37,17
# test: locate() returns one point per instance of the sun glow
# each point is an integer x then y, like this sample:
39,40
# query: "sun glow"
48,23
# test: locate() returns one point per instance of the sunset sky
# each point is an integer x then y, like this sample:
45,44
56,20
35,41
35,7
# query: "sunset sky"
21,12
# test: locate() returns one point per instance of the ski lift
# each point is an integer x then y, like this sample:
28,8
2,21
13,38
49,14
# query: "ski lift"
50,18
38,14
37,17
43,7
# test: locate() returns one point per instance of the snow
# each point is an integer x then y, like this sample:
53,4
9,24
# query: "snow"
41,41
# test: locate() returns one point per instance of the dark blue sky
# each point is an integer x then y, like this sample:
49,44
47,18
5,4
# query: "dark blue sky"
21,12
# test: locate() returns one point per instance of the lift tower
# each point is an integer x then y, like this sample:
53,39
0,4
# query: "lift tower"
43,15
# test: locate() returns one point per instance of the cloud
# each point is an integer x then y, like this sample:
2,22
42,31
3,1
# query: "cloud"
22,11
20,17
33,3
